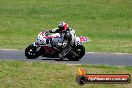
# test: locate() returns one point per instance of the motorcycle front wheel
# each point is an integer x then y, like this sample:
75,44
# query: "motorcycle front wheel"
77,53
31,53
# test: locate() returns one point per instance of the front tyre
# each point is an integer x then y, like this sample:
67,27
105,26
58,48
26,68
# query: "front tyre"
77,53
31,53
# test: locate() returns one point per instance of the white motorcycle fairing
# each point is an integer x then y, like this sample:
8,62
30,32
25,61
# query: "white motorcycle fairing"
42,39
57,39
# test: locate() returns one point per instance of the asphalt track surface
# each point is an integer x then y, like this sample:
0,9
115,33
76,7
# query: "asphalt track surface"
115,59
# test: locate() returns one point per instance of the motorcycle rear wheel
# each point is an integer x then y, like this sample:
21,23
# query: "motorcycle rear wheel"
31,53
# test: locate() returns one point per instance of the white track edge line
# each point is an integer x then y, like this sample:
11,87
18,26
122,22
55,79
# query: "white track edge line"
86,52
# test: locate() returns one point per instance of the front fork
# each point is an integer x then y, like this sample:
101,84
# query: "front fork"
38,47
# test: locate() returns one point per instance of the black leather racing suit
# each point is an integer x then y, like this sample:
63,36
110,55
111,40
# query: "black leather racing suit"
69,38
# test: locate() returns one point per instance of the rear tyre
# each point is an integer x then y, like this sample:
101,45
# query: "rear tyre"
31,53
77,54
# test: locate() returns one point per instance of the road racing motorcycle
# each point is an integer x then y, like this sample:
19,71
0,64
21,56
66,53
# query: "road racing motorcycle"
52,45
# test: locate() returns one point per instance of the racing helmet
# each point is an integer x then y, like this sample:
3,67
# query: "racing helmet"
63,26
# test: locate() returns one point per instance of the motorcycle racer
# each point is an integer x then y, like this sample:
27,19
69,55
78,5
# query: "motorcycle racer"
67,33
63,43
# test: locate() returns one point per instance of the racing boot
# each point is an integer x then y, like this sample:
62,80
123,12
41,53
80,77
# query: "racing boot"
63,53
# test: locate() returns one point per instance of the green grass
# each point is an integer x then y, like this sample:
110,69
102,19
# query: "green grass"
21,74
108,23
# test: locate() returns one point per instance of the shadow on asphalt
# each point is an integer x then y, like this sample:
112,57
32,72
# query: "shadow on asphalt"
56,59
46,59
